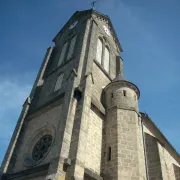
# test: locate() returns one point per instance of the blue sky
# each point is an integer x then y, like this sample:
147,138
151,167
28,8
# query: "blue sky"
149,32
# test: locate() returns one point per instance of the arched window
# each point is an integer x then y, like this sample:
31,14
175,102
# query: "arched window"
59,82
62,55
71,48
99,51
106,59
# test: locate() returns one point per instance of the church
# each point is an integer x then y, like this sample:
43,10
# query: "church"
81,120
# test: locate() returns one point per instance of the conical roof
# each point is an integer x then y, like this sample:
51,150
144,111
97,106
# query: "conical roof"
119,77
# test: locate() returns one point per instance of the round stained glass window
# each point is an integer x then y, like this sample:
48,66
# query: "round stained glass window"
41,147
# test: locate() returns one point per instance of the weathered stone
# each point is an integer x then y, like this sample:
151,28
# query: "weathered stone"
98,132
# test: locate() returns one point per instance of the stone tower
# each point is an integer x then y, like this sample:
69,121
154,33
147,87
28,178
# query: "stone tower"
81,120
123,130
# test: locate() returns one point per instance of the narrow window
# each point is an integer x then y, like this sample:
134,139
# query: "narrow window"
112,95
59,82
109,153
71,48
124,93
62,55
106,59
99,51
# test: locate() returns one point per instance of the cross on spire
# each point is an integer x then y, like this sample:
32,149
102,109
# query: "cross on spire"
93,4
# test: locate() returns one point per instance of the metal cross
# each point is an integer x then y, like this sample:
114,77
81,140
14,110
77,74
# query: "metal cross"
93,4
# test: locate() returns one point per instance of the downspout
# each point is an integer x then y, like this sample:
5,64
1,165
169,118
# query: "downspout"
144,145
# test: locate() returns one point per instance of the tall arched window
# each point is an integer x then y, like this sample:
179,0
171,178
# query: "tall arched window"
71,48
62,55
99,51
58,84
106,59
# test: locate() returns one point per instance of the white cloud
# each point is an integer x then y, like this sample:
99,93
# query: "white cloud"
12,96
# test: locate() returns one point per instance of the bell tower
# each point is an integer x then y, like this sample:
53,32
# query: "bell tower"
81,118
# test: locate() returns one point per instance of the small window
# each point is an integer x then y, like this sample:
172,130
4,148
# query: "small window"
109,153
106,59
62,55
99,51
59,82
71,48
124,93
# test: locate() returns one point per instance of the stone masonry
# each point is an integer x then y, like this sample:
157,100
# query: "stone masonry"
90,127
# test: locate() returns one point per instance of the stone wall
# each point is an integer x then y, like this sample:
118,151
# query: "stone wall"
29,177
88,178
124,137
176,172
116,96
153,158
161,153
100,81
109,41
130,147
42,123
170,161
37,178
45,92
94,143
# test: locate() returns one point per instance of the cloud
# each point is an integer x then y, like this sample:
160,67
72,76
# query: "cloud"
12,96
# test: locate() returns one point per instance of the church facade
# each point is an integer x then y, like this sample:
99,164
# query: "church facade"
81,120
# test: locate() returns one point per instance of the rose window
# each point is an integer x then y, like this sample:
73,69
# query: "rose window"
41,147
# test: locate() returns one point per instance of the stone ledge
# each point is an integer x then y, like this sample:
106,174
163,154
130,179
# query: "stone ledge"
39,170
54,101
91,174
67,162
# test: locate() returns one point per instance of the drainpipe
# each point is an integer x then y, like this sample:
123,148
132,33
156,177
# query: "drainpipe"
144,144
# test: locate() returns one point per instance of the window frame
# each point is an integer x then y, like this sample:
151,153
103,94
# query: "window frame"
69,44
68,41
105,45
65,52
57,89
101,58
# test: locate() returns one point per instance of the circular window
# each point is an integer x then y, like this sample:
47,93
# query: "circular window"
41,147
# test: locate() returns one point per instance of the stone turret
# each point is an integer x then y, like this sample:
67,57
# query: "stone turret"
123,137
122,93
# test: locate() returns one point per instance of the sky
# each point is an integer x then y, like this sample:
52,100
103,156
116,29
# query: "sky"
149,32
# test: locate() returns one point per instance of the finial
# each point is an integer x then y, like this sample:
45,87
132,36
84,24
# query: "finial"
93,4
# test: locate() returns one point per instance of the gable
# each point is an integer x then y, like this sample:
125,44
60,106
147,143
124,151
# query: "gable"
79,16
83,15
107,21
